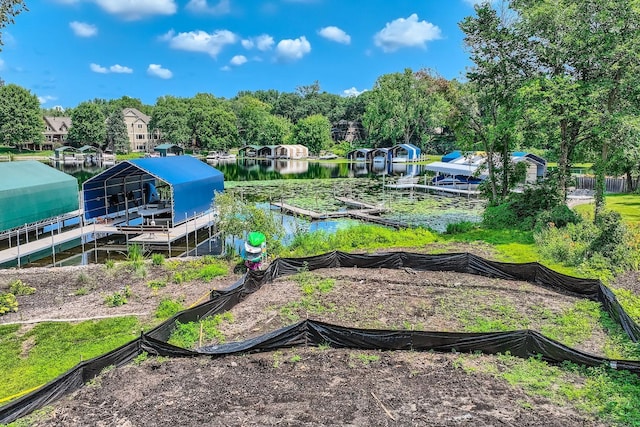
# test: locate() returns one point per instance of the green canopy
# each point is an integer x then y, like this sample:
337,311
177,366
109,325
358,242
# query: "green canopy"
31,191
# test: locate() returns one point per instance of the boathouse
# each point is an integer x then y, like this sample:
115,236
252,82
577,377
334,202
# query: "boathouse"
31,191
404,153
168,150
168,190
359,155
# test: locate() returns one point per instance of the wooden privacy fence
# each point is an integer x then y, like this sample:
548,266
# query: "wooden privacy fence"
613,185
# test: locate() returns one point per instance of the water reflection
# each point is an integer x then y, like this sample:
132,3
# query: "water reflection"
247,169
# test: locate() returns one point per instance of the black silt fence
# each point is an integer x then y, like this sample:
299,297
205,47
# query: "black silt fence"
524,343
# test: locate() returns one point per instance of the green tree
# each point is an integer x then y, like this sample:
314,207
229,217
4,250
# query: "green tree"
20,116
403,107
117,137
275,130
9,9
170,117
585,53
201,109
87,125
490,108
219,130
252,115
314,132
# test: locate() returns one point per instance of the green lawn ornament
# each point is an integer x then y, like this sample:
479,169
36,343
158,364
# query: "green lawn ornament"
254,252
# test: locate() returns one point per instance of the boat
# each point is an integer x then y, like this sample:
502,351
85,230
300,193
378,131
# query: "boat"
455,180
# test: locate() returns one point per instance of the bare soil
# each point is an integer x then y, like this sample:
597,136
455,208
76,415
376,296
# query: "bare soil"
305,386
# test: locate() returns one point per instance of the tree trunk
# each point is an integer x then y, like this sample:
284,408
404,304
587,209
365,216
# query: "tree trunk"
600,186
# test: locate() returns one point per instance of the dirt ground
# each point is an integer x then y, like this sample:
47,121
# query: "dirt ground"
304,386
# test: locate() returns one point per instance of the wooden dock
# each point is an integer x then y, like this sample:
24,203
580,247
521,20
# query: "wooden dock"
379,220
145,235
365,212
48,241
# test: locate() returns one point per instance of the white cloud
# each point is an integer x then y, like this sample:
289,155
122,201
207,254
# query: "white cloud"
406,33
352,92
200,41
46,98
117,68
238,60
291,50
98,68
225,68
82,29
335,34
120,69
156,70
137,9
263,42
202,6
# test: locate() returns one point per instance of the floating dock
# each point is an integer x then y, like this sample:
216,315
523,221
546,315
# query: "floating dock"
365,212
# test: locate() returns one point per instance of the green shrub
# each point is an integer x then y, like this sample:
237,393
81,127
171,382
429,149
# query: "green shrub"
168,307
17,287
460,227
500,216
8,303
560,216
156,284
118,298
157,259
109,264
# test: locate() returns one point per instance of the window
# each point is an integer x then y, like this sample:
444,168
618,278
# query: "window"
140,136
139,126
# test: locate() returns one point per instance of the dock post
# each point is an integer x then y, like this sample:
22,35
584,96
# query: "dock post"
195,231
186,226
26,232
53,248
18,234
210,225
82,235
95,242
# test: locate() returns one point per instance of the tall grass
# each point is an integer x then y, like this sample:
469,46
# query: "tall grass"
367,237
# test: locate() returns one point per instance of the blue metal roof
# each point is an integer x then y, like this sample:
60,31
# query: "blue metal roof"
413,152
451,156
192,183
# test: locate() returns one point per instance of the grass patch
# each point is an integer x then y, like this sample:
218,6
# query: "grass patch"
56,348
312,287
599,391
574,325
206,268
187,335
625,204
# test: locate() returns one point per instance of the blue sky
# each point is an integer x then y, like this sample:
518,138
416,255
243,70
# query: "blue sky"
69,51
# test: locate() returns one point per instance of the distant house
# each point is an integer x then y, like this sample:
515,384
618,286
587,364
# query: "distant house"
141,138
55,131
349,131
